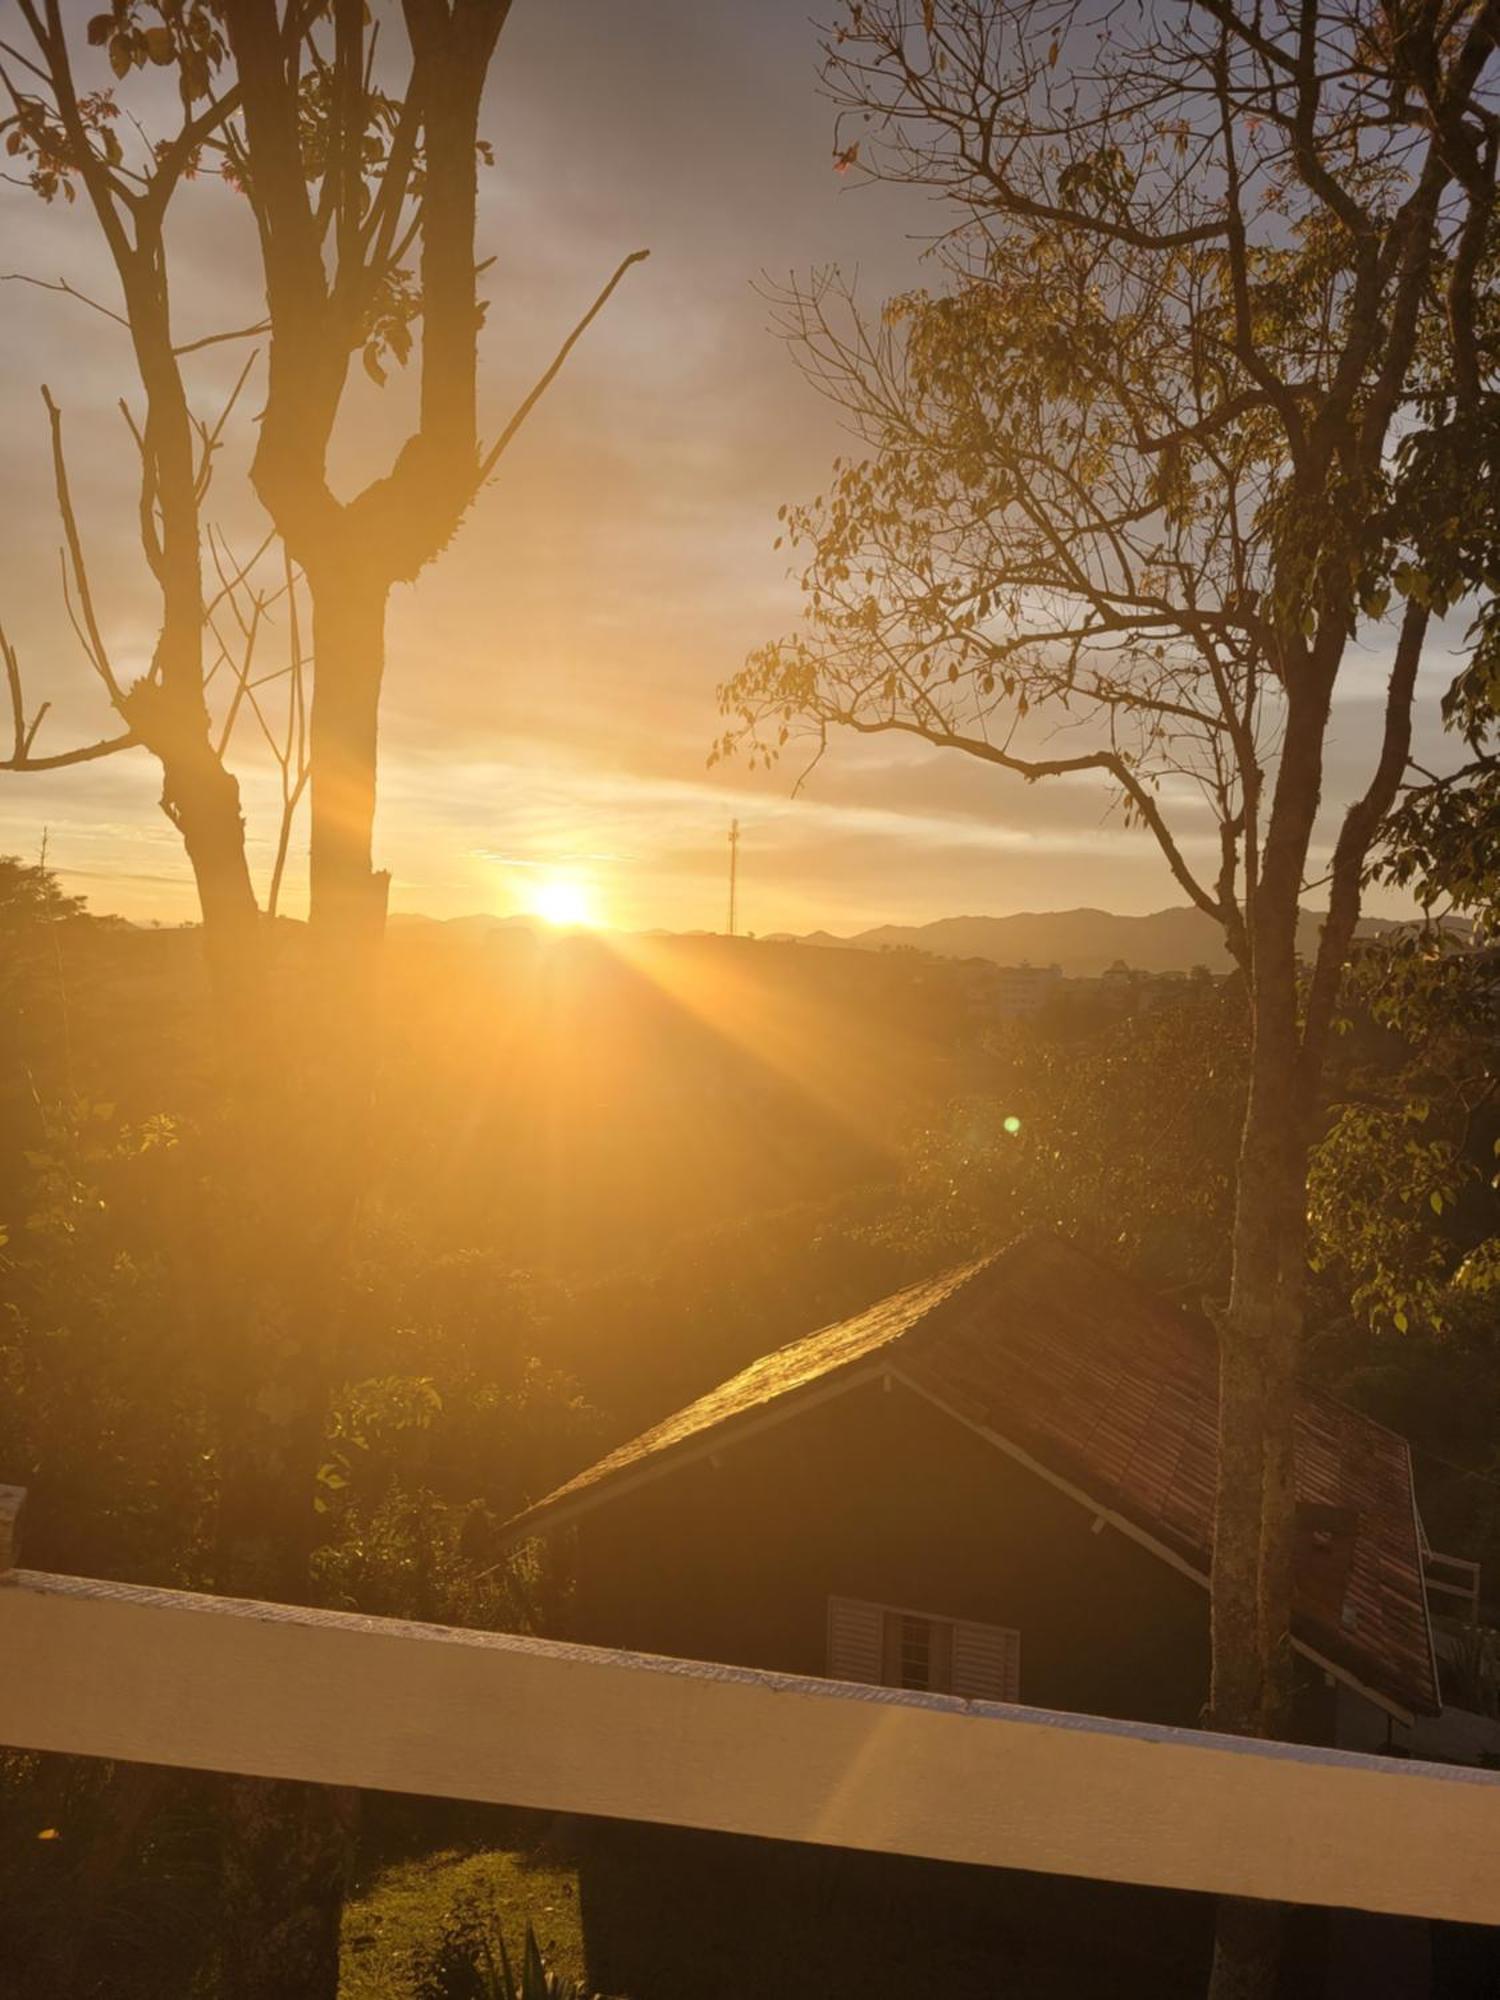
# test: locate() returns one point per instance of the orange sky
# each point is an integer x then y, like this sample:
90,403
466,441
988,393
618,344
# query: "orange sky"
550,694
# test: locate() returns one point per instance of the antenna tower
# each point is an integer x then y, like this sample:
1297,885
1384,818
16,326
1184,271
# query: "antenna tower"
734,857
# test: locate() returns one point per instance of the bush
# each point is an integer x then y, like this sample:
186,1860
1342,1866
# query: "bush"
470,1962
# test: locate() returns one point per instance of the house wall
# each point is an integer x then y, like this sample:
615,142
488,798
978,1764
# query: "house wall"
878,1495
670,1914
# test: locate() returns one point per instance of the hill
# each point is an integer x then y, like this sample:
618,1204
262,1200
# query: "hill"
1082,942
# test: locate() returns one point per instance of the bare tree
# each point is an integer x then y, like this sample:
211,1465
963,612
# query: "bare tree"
66,136
1121,507
237,679
366,201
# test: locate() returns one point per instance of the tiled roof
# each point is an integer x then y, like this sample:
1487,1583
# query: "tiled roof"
1105,1389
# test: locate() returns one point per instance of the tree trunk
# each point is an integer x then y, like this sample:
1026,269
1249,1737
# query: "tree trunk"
168,709
285,1866
202,800
1255,1499
1261,1333
1258,1351
289,1846
348,897
1247,1949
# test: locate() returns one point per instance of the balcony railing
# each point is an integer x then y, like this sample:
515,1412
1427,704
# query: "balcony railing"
1454,1582
168,1677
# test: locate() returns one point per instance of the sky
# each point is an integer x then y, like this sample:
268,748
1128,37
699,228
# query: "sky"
549,702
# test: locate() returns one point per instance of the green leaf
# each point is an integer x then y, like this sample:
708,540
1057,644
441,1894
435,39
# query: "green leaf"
1412,582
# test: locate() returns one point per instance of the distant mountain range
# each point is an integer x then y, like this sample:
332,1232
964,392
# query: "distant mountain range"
1082,942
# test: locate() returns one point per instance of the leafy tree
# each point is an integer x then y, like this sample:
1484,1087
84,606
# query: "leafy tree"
1416,1218
1442,839
1401,1196
1126,470
1123,1139
30,898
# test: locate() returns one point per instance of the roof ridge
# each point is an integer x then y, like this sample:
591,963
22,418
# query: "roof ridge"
952,1278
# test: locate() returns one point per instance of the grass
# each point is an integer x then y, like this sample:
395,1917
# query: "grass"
404,1904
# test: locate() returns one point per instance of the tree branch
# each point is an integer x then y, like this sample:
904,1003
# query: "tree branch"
24,731
1361,823
69,291
545,381
95,639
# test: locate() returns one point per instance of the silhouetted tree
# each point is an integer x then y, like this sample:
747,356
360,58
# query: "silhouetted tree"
366,201
69,134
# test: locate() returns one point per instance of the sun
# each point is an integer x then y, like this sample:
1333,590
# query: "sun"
564,901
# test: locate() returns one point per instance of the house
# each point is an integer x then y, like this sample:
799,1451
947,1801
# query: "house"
996,1485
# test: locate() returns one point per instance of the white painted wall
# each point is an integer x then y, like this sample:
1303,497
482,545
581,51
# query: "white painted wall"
111,1670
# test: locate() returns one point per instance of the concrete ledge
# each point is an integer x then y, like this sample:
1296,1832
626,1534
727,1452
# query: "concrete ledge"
165,1677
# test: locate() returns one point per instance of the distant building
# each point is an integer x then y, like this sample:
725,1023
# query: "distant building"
1128,989
1022,990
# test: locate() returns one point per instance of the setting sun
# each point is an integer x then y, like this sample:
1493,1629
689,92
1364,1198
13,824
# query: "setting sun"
564,901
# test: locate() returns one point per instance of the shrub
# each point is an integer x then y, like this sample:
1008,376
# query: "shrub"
469,1961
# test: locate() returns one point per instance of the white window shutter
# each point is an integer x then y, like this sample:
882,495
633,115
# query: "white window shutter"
986,1662
856,1641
